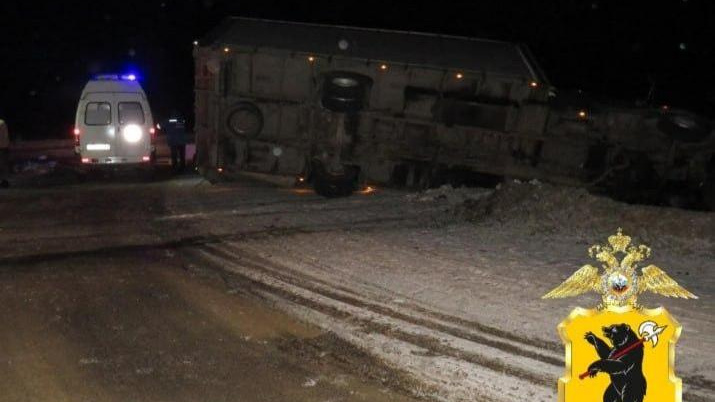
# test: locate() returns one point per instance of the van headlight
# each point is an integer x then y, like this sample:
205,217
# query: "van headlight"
132,133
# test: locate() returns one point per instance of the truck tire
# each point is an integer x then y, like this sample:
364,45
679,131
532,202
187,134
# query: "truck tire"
637,182
345,92
684,126
331,185
244,120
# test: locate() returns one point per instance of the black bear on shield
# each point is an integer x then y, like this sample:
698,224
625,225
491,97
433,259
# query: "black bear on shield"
628,383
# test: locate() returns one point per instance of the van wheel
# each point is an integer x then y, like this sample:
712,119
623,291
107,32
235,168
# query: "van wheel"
709,194
148,174
81,177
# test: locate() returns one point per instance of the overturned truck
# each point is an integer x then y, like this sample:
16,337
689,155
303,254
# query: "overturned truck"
342,106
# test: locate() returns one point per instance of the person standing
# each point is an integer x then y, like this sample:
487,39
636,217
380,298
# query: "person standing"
4,153
175,129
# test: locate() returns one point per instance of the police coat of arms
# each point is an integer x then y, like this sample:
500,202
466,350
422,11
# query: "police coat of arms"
620,351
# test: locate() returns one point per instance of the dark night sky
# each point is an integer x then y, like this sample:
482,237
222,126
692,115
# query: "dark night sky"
611,49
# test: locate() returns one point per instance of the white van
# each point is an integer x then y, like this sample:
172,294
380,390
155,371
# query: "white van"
114,124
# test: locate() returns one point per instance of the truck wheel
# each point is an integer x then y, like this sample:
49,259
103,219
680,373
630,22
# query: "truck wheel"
331,185
637,182
684,126
245,120
345,92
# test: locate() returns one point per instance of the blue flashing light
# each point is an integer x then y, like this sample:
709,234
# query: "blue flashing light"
115,77
106,77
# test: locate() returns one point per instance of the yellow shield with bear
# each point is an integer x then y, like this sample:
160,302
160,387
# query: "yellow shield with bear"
620,351
619,354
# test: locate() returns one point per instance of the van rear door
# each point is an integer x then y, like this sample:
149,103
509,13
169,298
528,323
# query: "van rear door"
133,124
97,120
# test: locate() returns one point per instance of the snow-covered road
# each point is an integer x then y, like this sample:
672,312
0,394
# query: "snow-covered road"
443,285
454,303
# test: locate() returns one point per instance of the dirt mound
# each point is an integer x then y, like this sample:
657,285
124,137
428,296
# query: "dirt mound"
454,196
541,208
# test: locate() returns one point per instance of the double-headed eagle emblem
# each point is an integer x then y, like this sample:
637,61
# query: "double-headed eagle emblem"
619,285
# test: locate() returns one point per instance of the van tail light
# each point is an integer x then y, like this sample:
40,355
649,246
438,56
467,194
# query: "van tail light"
76,137
152,131
85,160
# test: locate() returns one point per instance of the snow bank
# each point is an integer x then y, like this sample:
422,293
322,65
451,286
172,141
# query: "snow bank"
543,209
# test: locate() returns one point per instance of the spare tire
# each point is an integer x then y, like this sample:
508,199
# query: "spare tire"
684,126
244,120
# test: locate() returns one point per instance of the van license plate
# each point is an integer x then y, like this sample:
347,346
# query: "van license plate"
98,147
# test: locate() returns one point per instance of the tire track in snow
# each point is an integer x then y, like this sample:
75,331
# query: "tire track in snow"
498,365
455,335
